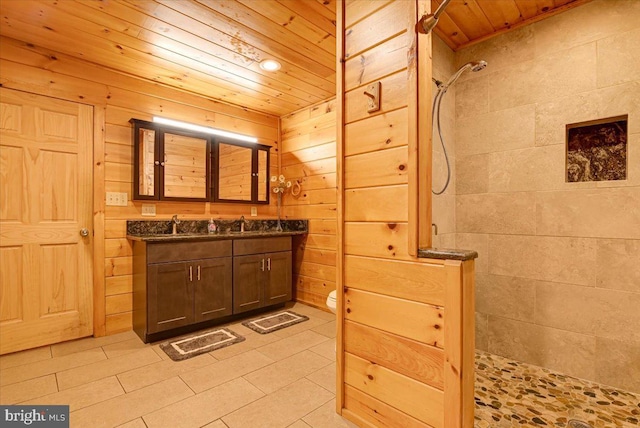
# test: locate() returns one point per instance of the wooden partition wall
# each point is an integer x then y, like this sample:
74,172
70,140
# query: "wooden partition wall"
405,324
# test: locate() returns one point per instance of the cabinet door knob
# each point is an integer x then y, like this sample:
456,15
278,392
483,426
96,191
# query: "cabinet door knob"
190,273
198,272
269,263
262,265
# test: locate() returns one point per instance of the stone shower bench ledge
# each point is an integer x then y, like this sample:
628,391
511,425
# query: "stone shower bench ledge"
446,254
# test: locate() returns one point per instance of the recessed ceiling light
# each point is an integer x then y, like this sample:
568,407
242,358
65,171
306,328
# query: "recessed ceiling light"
270,65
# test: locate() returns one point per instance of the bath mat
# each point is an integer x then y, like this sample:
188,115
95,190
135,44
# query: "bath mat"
272,322
198,343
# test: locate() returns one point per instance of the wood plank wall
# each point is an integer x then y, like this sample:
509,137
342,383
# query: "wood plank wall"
401,323
308,154
117,98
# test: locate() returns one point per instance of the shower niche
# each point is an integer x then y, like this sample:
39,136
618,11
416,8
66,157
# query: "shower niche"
597,150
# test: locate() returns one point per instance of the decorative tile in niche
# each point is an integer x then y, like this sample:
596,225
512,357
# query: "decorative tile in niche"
597,150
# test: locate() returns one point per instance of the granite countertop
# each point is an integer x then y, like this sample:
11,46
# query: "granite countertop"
164,237
196,230
447,254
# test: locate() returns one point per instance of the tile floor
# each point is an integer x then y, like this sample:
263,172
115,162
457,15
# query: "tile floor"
282,379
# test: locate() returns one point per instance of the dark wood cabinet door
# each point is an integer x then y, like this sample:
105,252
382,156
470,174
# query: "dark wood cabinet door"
278,284
212,280
170,296
248,280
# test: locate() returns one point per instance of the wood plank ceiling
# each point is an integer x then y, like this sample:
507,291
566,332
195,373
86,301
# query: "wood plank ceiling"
214,47
466,22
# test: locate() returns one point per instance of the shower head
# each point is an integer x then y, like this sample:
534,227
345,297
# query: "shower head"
478,65
427,22
473,66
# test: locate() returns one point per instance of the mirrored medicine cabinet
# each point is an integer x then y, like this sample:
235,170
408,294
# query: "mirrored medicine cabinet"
174,164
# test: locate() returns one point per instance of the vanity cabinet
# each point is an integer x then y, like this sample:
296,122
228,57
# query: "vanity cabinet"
261,273
179,284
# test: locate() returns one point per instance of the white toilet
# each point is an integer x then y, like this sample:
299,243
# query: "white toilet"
331,301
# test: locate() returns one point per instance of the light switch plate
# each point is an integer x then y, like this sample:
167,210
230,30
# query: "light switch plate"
254,211
116,199
149,210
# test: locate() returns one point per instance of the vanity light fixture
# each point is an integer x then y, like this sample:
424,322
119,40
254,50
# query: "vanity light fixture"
206,129
270,65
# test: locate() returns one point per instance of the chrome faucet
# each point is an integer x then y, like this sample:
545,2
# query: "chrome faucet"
174,223
242,224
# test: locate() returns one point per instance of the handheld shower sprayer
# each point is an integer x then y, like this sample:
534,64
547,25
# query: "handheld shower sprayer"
435,111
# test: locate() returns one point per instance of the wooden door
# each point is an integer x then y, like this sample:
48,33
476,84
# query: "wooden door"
248,280
46,188
169,296
278,283
213,288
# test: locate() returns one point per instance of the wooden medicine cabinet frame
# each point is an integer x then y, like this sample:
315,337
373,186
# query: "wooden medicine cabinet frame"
155,172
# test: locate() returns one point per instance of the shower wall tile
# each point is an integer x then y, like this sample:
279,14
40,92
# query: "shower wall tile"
605,313
619,58
443,213
552,116
618,363
538,168
546,258
565,351
509,129
584,24
472,174
545,78
478,242
501,51
444,59
444,240
506,296
482,332
589,213
496,213
472,96
618,264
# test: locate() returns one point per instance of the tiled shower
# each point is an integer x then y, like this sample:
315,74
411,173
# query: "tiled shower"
558,273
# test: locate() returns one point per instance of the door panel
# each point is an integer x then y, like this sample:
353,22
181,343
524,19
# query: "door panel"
213,291
170,302
278,286
45,199
248,280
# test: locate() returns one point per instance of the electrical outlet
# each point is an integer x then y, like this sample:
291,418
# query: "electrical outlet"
254,211
149,210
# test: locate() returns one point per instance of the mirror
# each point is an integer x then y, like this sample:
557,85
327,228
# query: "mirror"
234,172
146,157
175,164
263,175
185,166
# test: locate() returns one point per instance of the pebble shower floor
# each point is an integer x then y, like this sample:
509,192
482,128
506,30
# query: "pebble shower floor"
514,394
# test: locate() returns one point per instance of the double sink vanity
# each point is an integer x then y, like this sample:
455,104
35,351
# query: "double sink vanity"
185,278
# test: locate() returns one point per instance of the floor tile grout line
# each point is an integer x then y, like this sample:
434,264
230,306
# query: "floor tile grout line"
323,404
